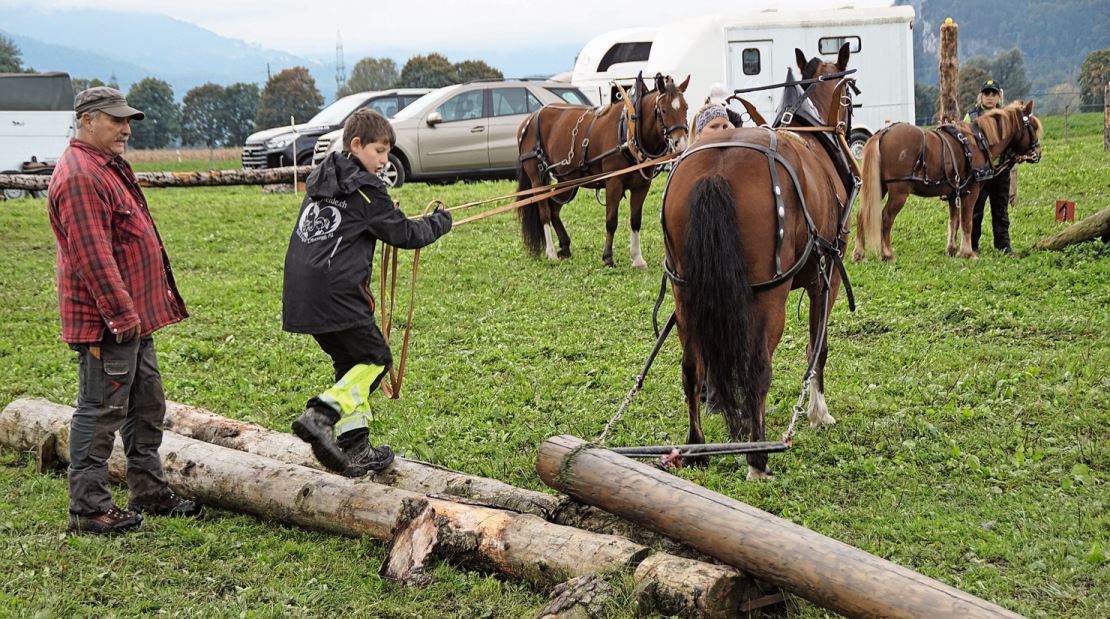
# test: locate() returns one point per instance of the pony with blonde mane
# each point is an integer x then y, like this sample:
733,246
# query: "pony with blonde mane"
951,161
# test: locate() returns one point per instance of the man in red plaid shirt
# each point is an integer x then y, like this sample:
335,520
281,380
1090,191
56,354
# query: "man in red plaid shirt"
115,289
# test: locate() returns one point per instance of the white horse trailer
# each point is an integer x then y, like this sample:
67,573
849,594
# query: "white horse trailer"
36,122
756,49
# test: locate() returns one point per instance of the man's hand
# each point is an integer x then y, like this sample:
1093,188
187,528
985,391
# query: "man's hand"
128,335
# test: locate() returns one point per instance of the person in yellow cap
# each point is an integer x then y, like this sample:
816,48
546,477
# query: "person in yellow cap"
997,188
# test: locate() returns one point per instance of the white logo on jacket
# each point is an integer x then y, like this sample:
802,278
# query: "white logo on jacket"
318,222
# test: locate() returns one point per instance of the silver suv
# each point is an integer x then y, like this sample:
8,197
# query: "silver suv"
462,131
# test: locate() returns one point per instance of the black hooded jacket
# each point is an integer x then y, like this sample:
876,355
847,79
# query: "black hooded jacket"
327,266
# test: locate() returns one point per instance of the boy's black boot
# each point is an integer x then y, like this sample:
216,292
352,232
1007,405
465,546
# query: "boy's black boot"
316,426
363,458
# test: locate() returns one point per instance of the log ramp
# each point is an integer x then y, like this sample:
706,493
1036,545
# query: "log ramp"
521,546
820,569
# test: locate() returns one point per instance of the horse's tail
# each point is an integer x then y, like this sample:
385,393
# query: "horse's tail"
531,230
719,306
869,222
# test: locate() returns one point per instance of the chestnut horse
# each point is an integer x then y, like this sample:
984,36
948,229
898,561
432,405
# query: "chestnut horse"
750,214
588,141
951,161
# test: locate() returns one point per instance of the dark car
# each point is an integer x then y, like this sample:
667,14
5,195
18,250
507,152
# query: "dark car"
275,148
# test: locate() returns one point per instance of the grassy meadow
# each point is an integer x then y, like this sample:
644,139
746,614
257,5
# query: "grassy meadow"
972,442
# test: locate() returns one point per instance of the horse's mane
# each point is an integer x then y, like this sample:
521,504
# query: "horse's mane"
1005,121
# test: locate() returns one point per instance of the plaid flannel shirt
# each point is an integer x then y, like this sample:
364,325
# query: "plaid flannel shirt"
113,272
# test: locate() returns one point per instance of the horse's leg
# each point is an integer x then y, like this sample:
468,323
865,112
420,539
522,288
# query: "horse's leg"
818,409
636,203
771,319
967,210
560,231
953,227
545,219
894,204
614,191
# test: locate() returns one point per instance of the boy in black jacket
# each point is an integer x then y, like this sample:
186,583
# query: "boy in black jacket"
326,293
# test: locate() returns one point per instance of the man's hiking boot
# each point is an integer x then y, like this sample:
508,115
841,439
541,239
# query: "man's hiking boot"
364,458
315,426
169,505
110,521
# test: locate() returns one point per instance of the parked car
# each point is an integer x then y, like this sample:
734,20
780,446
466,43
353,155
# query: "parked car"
36,123
462,131
274,148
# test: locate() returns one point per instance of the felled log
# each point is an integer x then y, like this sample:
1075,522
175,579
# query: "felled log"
1097,225
691,588
212,178
407,474
520,546
419,477
829,573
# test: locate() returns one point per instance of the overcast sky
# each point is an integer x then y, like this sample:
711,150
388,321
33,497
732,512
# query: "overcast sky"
310,28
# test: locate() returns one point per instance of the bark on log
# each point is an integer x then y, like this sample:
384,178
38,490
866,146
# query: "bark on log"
949,69
520,546
691,588
1097,225
212,178
419,477
585,597
829,573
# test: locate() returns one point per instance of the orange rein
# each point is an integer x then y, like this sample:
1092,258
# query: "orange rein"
388,270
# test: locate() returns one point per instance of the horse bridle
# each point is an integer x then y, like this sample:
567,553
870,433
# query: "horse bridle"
671,145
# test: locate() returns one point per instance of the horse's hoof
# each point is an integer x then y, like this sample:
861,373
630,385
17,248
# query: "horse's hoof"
640,265
755,474
858,256
888,257
608,261
696,462
820,422
951,251
564,253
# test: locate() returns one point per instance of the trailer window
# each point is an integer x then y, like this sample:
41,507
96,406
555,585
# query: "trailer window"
624,52
750,59
831,45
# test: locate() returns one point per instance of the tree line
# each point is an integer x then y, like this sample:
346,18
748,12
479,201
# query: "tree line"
1009,68
213,115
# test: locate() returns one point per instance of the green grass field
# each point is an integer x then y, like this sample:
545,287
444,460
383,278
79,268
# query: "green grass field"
972,442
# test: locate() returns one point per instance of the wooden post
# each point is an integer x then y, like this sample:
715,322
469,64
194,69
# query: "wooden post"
829,573
1106,116
949,108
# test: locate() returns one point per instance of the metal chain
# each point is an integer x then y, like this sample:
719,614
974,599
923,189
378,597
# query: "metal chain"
620,413
573,139
799,408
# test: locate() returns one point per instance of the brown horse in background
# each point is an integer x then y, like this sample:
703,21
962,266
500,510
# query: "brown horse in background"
750,214
590,141
949,161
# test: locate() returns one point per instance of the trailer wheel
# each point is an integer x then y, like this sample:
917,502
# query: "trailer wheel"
15,194
857,141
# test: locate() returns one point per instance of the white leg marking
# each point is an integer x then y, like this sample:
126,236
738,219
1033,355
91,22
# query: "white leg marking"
550,246
818,409
634,245
755,474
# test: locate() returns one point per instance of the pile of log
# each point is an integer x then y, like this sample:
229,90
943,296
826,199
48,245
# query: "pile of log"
425,512
269,478
212,178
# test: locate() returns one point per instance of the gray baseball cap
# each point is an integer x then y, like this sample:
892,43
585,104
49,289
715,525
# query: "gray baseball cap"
105,99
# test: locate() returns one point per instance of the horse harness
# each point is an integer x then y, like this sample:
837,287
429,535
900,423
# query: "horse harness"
961,186
630,142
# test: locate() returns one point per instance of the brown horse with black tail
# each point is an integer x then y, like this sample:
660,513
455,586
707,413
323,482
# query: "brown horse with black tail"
748,215
950,161
565,142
